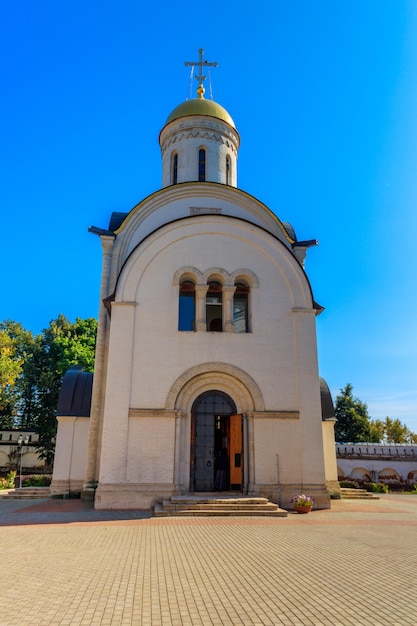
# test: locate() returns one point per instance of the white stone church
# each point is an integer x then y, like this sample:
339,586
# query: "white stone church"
206,351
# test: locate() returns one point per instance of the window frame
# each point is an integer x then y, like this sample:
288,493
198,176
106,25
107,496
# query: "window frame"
186,322
174,168
202,164
242,292
228,169
214,287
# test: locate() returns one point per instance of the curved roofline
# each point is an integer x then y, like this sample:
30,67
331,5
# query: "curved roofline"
234,190
201,107
110,297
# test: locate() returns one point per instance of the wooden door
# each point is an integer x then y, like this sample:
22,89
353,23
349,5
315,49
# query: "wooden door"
236,453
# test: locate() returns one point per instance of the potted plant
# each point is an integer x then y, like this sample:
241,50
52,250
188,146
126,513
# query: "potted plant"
302,503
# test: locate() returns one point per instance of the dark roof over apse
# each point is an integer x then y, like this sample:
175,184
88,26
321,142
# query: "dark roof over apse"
327,408
116,220
75,395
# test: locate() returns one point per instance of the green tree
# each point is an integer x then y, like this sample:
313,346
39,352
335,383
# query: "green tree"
355,425
353,422
33,387
59,346
393,431
17,410
10,370
377,431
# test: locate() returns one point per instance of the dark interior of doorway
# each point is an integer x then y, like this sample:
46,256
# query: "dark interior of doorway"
210,442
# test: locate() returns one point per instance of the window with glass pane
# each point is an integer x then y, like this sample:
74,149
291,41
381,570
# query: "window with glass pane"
214,307
240,308
201,165
227,170
186,309
175,169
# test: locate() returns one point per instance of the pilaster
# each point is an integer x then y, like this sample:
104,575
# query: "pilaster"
228,293
91,476
200,295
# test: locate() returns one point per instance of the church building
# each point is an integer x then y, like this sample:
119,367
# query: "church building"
206,374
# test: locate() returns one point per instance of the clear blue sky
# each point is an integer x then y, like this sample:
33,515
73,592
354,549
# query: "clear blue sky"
324,95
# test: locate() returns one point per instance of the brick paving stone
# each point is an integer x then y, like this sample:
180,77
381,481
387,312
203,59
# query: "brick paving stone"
68,564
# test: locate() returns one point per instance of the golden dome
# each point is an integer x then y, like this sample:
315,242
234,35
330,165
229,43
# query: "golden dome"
200,106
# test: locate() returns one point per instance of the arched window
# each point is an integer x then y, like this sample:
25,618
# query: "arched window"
241,308
186,308
228,170
214,307
175,168
201,165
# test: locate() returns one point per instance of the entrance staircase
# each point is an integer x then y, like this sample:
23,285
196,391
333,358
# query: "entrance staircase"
357,494
28,493
197,505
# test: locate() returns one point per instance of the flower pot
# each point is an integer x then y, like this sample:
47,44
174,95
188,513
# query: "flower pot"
302,509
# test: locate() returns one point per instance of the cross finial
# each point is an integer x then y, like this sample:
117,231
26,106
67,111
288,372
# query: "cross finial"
200,77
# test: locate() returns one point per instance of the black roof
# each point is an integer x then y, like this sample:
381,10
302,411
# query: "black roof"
75,395
116,220
327,408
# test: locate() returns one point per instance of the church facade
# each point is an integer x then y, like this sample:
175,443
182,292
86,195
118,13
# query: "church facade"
206,360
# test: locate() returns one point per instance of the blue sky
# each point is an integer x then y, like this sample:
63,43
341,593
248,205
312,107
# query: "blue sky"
324,95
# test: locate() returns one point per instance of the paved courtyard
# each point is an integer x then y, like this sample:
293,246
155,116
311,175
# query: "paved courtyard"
63,563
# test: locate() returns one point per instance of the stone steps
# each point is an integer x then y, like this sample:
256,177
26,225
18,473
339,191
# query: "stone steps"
195,506
31,493
357,494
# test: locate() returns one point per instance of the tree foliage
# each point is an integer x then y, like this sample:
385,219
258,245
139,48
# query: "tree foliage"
353,422
43,360
392,431
355,425
10,370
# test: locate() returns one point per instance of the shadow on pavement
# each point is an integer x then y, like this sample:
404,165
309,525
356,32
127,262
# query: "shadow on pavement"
57,511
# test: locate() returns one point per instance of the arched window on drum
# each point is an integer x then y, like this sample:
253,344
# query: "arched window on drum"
228,170
201,165
174,168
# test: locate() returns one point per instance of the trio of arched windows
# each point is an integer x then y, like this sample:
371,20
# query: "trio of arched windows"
214,305
202,165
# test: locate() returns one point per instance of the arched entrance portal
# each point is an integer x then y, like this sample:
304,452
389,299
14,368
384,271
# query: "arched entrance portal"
216,444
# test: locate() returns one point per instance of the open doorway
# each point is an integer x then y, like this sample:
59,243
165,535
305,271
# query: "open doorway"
216,444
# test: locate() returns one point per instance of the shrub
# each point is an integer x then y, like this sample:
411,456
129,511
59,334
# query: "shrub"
349,484
395,486
8,482
376,487
37,480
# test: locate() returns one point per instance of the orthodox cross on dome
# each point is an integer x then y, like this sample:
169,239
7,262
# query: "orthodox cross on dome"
200,77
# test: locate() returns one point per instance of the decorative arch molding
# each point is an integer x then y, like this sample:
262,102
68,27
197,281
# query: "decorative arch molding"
216,273
211,136
220,376
187,271
246,274
174,234
196,128
228,280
